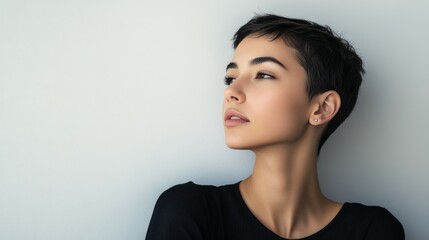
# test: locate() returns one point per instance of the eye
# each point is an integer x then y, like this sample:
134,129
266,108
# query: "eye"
261,75
229,80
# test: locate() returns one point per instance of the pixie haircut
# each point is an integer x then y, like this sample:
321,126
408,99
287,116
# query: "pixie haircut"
330,62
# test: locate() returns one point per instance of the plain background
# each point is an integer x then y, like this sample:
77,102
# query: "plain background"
105,104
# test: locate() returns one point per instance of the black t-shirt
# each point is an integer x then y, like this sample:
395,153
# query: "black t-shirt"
198,212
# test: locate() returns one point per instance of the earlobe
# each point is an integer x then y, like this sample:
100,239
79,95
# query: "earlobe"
327,106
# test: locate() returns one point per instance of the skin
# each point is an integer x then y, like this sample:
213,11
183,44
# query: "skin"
283,130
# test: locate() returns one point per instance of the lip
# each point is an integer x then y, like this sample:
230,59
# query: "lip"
238,120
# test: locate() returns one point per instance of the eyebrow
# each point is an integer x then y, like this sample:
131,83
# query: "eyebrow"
258,60
231,65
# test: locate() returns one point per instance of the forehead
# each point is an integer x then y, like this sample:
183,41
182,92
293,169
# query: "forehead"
252,47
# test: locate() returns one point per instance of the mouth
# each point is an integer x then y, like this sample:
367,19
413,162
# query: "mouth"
234,118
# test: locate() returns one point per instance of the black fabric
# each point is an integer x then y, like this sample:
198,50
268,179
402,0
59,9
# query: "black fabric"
198,212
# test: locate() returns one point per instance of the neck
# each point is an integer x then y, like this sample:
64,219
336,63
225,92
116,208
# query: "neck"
283,191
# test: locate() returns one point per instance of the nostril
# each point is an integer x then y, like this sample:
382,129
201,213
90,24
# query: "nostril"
234,98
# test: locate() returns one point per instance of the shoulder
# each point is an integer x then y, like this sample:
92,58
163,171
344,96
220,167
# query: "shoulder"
187,198
379,222
182,212
180,192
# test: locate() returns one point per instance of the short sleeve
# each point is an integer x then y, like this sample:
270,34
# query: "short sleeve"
180,213
384,226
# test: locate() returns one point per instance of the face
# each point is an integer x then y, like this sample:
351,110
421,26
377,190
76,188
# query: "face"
265,101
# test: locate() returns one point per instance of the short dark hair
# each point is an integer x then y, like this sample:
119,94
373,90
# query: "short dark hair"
330,61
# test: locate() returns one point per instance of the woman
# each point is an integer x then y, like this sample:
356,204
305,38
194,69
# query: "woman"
290,84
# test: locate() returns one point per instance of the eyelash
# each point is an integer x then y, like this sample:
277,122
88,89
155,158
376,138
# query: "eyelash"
228,80
259,75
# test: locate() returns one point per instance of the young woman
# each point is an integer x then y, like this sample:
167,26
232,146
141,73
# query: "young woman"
290,84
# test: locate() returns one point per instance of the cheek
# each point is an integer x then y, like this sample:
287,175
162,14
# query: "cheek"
283,115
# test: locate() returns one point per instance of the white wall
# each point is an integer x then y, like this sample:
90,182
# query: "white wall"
105,104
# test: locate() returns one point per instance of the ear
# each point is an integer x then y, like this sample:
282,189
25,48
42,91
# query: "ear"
326,106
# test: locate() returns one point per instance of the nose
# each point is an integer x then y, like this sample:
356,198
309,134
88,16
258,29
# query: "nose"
234,93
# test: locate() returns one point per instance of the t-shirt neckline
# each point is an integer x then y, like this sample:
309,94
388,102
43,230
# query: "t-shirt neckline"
267,231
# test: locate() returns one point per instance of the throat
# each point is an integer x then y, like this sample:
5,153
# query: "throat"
285,196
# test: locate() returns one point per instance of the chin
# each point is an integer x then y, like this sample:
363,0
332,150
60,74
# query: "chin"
239,145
